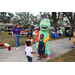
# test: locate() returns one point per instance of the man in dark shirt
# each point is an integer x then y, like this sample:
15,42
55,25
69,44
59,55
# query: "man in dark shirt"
30,31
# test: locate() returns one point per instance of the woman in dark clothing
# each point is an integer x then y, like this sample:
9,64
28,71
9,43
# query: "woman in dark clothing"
70,33
29,31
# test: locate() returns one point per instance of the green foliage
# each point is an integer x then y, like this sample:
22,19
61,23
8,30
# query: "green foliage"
5,17
23,18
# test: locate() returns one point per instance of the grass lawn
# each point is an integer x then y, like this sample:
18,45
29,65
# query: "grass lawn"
67,57
5,38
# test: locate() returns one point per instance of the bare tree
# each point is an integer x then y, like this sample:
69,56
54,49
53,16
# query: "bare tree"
55,17
71,18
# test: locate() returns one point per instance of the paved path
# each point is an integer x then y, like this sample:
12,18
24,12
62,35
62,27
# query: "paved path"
57,47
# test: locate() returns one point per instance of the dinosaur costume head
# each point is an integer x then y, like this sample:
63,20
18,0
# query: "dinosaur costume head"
45,24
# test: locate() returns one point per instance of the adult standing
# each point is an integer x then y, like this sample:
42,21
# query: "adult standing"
70,33
16,34
60,32
30,31
53,30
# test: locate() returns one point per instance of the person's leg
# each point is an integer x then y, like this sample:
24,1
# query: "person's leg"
19,40
39,57
16,40
31,35
70,37
36,48
60,35
29,59
27,35
42,55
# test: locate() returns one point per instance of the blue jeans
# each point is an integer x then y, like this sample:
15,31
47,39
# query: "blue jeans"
17,40
29,58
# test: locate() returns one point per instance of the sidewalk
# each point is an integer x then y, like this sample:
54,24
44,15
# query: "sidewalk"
57,47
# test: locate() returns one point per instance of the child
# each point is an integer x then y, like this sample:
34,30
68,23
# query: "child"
30,39
41,47
29,51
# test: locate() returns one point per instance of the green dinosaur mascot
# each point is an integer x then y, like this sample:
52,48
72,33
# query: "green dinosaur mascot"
44,29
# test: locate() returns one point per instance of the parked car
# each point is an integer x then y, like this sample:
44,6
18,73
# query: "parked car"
24,31
9,30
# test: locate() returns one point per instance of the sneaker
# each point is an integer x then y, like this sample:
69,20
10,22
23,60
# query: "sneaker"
73,47
17,49
42,58
48,57
37,54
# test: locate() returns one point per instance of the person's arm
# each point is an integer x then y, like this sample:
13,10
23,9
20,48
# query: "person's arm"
12,34
25,53
33,42
30,30
43,47
47,39
33,52
21,32
38,47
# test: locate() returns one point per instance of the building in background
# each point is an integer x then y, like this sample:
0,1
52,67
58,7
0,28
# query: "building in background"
6,26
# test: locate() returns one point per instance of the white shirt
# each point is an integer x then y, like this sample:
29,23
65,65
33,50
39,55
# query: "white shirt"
28,51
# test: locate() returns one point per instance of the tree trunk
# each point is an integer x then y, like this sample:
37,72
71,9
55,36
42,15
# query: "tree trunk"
55,19
72,26
55,25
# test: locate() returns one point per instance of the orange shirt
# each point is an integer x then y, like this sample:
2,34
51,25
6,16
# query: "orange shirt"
30,40
37,37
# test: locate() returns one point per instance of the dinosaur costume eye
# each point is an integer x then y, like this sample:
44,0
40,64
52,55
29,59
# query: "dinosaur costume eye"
46,21
43,21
